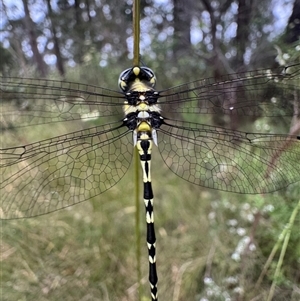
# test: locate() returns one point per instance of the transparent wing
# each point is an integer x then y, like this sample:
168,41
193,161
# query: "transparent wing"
230,160
40,177
28,102
264,92
55,173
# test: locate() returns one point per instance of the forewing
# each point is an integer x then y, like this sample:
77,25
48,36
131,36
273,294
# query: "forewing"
28,102
265,92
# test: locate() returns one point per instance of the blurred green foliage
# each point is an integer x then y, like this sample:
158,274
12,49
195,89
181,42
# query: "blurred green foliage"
210,245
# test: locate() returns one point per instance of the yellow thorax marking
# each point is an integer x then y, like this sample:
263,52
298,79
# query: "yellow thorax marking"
143,107
144,127
140,107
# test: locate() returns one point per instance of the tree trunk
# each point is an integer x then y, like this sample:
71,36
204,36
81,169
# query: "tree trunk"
59,60
182,14
243,30
29,25
214,59
79,32
15,43
292,33
87,3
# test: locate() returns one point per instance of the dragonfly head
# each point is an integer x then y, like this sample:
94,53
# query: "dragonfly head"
137,78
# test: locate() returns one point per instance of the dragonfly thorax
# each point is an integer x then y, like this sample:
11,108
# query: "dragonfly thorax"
142,113
143,123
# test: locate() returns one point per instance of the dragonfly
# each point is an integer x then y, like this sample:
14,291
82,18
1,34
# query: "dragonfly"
39,177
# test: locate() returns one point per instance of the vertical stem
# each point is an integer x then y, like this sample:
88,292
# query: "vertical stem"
136,32
136,57
287,233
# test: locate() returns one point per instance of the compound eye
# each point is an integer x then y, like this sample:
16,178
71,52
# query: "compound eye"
151,76
129,75
123,79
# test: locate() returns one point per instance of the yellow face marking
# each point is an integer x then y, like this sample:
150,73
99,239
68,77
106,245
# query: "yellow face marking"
136,71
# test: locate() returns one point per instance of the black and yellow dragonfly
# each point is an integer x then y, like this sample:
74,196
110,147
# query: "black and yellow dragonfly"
39,177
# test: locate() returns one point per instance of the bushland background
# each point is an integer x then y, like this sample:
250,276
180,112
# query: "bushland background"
211,245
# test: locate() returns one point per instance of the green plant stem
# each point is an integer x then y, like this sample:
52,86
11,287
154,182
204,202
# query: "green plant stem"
136,32
136,57
286,233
